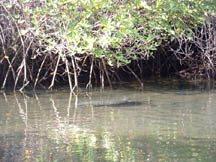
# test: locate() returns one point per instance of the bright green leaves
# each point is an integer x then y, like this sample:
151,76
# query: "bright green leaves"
88,27
183,16
104,27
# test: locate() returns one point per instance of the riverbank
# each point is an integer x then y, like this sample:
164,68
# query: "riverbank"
100,42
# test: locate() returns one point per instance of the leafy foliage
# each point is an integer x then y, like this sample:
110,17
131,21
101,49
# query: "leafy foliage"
116,30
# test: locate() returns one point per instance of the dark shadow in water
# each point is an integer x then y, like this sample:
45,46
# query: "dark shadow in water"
123,104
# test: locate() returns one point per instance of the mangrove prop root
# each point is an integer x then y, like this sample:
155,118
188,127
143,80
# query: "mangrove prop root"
6,75
89,84
105,69
75,73
101,75
68,73
138,79
39,71
54,74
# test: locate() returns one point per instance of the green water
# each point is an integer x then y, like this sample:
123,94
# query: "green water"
171,123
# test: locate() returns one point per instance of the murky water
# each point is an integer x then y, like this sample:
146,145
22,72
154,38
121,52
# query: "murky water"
167,122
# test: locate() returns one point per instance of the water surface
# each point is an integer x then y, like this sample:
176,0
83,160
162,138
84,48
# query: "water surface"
162,122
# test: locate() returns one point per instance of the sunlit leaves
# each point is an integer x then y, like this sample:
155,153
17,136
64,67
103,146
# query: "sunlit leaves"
101,27
23,32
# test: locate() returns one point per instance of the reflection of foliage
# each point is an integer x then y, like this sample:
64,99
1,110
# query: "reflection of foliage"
80,144
84,146
166,149
49,130
113,148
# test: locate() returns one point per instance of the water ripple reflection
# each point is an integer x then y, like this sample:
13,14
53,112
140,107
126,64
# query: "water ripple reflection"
102,126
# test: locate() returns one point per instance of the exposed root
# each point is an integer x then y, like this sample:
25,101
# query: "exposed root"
105,69
39,71
21,67
75,74
101,75
89,84
54,74
68,73
12,70
138,79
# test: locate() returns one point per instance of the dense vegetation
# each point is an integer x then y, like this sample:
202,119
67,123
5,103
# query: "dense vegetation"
96,41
